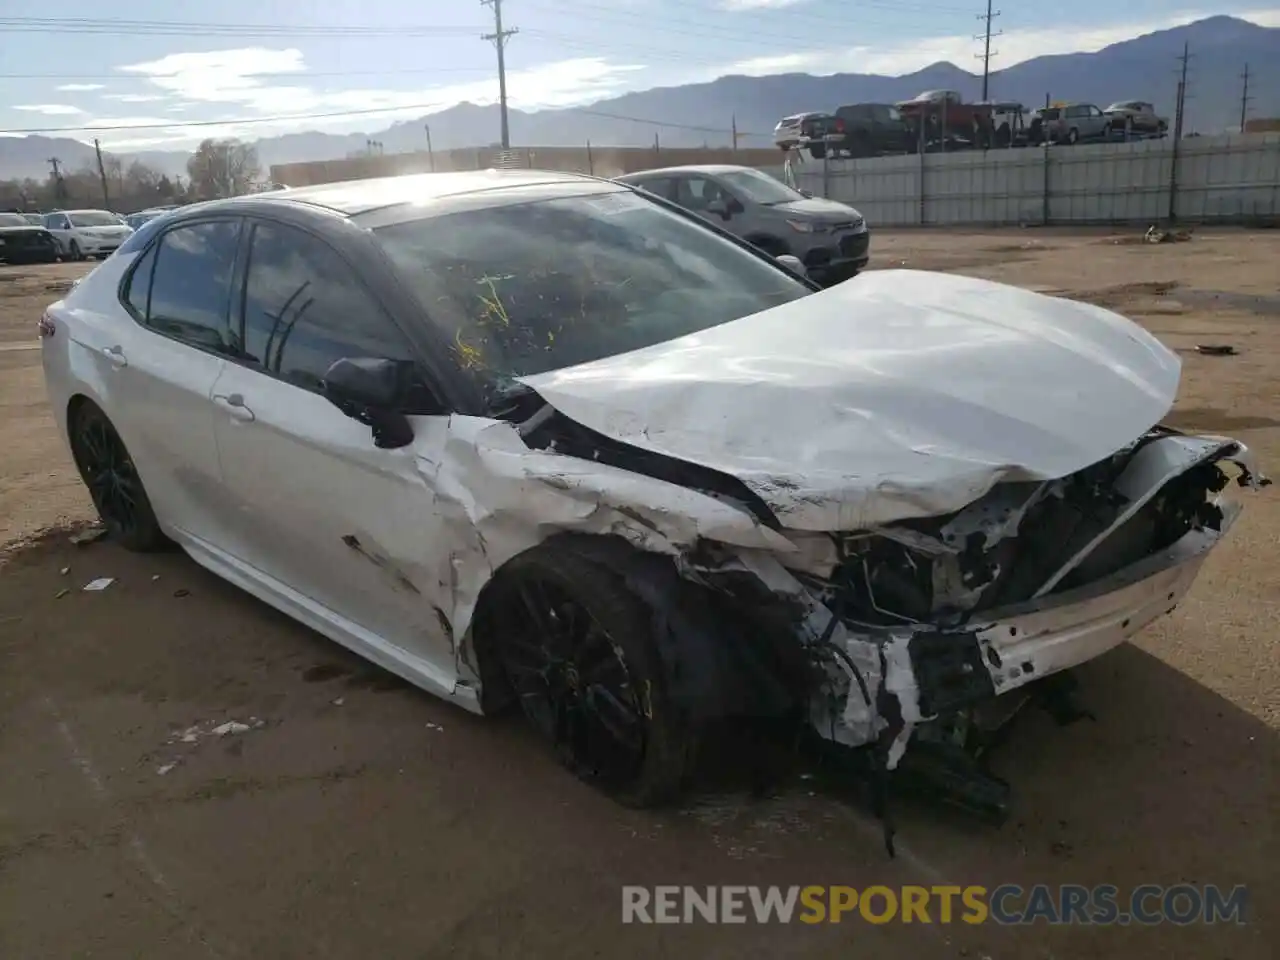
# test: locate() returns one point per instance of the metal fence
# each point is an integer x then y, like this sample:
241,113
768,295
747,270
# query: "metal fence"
1229,179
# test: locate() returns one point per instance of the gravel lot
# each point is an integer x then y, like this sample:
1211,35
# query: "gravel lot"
359,818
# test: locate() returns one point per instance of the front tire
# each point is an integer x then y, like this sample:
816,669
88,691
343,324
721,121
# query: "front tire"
577,649
108,471
74,252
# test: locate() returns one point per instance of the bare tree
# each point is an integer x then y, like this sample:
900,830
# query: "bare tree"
141,180
223,168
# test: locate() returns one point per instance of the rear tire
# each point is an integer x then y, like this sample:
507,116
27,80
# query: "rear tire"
108,471
576,647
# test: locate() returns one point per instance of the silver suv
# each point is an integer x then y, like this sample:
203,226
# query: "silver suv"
829,238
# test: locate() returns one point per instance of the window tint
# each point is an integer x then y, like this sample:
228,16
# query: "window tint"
140,284
304,308
191,283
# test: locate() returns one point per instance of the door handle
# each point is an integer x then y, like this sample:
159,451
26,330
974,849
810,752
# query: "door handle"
116,356
234,405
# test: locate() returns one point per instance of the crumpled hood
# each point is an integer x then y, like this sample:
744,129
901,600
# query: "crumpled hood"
898,394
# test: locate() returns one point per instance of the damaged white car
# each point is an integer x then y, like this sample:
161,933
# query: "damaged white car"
539,437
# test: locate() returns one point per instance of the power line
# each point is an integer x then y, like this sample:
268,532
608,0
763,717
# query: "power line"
342,114
296,74
1244,98
500,38
86,25
987,52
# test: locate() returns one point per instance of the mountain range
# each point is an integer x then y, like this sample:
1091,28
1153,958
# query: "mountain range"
1145,67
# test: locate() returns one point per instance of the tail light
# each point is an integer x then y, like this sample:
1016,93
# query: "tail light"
839,125
46,326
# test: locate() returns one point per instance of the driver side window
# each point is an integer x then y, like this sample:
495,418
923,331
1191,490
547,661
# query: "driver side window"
304,308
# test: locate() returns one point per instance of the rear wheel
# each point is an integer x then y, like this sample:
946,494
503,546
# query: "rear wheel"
576,648
109,473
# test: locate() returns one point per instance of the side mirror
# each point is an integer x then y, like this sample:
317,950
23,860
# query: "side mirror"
793,264
374,392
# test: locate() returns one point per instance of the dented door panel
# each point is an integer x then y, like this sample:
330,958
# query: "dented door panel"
320,508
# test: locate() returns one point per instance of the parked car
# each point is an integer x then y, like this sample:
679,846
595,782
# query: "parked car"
543,438
87,233
872,129
792,131
35,219
829,238
136,220
1070,123
1138,116
22,242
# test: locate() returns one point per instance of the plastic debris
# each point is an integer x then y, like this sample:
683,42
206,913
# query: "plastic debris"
88,536
100,584
339,702
230,727
434,726
62,593
165,768
64,571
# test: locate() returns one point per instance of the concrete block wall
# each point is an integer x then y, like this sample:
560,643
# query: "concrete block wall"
1228,178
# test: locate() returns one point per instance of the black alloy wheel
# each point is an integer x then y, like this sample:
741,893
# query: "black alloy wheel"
109,473
575,647
572,681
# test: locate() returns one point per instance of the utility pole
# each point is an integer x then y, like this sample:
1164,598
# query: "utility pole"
987,53
1177,132
1244,98
1179,117
735,133
499,38
102,174
431,154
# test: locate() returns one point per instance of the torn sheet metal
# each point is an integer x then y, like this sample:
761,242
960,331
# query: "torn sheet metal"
906,394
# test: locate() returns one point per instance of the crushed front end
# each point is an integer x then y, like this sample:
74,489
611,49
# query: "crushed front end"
931,634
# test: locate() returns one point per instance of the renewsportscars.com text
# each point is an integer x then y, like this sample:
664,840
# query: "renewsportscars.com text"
1008,904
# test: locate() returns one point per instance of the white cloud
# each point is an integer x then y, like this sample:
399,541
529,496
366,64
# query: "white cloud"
739,5
1015,46
79,87
232,79
51,109
135,97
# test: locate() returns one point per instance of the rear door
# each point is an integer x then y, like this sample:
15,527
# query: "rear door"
162,369
336,522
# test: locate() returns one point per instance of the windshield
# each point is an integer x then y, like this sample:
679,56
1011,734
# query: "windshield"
524,288
760,187
94,218
13,220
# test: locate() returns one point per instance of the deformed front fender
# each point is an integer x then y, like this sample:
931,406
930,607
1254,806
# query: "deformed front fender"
497,498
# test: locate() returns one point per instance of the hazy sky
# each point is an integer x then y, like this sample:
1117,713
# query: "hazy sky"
161,65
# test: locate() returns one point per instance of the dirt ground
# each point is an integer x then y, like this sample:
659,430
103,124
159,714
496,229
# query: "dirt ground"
359,818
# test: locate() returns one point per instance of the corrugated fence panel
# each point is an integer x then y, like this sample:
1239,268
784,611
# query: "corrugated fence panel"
1218,178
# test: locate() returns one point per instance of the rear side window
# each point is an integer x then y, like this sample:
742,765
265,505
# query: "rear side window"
660,186
138,291
191,283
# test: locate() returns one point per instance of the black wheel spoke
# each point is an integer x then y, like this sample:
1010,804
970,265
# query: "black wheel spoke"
572,680
108,473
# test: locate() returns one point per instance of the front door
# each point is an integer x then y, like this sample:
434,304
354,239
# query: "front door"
319,509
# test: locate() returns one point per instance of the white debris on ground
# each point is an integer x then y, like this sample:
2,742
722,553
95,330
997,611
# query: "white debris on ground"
202,731
434,726
99,584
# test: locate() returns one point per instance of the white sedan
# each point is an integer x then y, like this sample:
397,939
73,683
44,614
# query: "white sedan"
544,438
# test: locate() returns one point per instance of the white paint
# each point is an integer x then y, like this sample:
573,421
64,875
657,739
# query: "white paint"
900,394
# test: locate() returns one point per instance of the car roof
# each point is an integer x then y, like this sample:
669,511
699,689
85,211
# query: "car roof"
354,197
710,168
86,210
